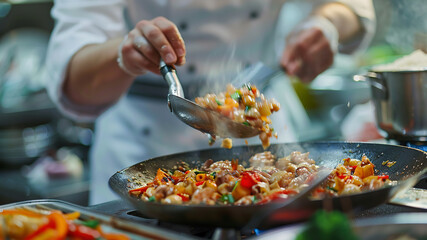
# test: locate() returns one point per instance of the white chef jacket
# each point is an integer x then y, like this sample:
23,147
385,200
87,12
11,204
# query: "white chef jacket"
221,37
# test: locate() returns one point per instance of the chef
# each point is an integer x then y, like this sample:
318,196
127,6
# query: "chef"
103,64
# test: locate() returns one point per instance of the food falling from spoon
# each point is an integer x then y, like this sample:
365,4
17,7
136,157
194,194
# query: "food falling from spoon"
245,105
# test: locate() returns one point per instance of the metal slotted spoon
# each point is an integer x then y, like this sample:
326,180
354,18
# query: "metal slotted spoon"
200,118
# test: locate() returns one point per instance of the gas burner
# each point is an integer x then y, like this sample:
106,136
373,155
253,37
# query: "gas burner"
421,145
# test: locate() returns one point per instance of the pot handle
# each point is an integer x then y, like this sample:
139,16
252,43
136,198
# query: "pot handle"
376,80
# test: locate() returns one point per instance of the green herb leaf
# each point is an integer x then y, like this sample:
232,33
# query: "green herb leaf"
218,102
246,123
200,172
327,225
247,108
332,189
236,96
213,174
91,223
254,200
248,86
235,186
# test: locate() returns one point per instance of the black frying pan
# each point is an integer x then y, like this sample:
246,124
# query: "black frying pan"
410,165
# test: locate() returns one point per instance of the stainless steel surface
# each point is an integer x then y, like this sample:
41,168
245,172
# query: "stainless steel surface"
394,226
400,100
413,197
200,118
108,223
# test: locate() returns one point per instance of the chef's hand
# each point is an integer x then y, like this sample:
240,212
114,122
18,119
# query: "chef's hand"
142,48
310,48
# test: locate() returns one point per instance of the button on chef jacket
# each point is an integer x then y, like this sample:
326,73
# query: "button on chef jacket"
221,37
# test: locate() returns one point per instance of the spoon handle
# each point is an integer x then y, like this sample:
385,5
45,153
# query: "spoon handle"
169,75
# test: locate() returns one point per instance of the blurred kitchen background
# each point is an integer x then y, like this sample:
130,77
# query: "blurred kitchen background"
44,155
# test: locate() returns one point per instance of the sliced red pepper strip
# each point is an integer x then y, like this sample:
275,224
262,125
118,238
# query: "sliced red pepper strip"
199,183
141,189
82,232
40,230
276,195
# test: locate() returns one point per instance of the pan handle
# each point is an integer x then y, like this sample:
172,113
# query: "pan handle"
377,81
170,76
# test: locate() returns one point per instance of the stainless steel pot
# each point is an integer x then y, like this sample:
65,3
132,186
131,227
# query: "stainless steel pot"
400,99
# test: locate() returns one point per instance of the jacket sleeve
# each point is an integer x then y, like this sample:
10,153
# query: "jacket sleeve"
364,9
79,23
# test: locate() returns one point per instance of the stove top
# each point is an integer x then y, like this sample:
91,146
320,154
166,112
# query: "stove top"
121,209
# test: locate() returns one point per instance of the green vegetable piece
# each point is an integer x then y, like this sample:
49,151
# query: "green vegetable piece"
91,223
332,189
248,85
247,108
224,198
152,199
218,102
213,174
327,225
230,198
236,96
200,172
246,123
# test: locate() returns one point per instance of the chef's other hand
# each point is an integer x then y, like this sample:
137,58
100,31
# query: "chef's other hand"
149,41
310,48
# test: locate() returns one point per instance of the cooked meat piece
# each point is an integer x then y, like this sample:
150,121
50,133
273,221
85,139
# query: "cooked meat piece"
206,195
301,171
221,165
163,191
206,165
246,200
224,177
298,157
264,159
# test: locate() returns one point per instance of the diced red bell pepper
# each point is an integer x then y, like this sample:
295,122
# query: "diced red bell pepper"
341,176
141,189
383,177
249,179
184,197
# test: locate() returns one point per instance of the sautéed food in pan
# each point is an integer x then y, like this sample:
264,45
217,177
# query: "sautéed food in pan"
267,179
